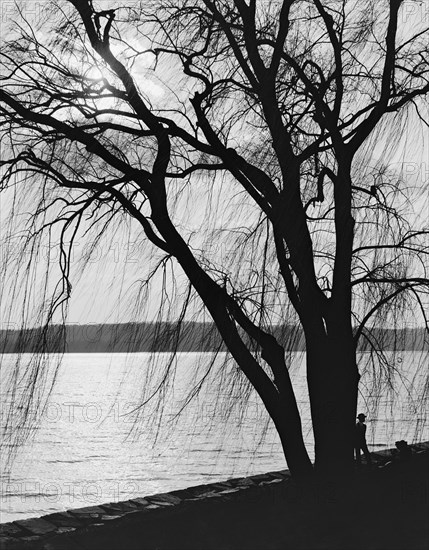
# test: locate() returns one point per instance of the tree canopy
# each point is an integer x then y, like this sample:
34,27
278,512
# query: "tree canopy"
252,145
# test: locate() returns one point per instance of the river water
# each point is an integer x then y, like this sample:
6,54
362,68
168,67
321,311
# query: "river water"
90,447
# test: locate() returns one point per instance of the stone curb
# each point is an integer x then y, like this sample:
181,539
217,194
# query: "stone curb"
35,532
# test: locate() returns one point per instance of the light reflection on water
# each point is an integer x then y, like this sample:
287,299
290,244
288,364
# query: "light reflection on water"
84,454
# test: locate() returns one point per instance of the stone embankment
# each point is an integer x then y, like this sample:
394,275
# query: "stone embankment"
140,519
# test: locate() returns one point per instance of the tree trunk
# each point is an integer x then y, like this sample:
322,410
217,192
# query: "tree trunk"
333,388
332,373
296,455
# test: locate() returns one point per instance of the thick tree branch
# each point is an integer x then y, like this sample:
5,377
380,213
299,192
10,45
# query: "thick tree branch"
366,127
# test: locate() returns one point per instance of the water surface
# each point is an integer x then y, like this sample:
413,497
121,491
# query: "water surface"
89,449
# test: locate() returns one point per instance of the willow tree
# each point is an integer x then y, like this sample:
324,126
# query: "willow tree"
284,110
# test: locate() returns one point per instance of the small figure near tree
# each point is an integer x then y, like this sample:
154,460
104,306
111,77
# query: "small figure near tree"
403,451
360,439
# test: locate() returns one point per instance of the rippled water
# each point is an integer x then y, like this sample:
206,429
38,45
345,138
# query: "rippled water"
85,451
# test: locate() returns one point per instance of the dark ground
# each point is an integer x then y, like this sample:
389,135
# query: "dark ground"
382,509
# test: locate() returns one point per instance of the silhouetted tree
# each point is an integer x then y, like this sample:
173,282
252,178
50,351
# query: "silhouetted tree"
271,117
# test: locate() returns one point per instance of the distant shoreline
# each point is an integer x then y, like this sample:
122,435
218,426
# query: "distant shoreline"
165,337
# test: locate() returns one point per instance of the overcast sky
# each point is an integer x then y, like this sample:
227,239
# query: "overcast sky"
106,290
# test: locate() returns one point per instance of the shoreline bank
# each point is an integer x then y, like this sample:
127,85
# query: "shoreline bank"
382,508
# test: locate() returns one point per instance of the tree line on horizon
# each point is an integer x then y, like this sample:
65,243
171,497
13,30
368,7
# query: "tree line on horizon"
164,337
